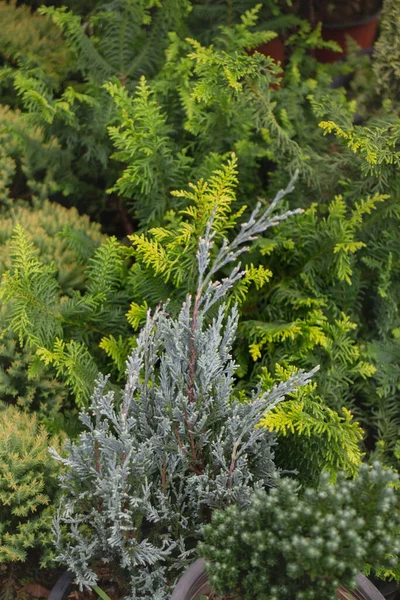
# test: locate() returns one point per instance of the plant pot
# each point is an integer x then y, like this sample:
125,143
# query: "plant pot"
363,33
275,49
389,589
194,583
62,587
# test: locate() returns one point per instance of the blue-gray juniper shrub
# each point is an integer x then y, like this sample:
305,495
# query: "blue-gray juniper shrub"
302,545
152,466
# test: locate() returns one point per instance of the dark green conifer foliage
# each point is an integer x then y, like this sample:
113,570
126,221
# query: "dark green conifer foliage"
302,544
121,40
386,62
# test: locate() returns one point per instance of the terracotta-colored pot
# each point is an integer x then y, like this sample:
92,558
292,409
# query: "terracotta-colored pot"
194,583
275,49
363,33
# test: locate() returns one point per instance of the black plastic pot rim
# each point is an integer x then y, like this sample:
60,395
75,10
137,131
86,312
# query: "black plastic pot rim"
62,587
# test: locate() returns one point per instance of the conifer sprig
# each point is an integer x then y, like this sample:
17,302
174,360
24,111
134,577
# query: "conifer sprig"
148,471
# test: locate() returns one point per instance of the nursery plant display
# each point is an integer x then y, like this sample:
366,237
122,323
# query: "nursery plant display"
76,339
111,107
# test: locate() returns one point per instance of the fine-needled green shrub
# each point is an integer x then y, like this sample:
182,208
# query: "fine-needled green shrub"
152,465
28,487
294,544
33,165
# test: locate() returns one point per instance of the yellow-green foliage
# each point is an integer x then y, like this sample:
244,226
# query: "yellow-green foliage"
171,251
65,239
30,36
311,436
28,486
63,326
60,236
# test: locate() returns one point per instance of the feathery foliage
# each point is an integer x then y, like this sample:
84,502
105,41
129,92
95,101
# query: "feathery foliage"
386,63
332,440
60,329
55,242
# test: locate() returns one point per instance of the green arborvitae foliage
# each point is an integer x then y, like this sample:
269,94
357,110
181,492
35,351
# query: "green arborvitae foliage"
34,167
303,544
65,240
126,37
311,309
28,487
312,437
63,292
144,141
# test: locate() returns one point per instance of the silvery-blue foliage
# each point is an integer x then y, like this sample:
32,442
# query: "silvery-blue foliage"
152,465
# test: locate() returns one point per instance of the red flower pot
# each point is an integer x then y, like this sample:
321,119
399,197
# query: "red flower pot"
275,49
363,33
